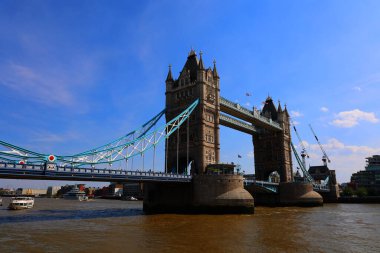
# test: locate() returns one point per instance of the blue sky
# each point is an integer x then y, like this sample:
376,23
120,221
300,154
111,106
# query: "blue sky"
76,74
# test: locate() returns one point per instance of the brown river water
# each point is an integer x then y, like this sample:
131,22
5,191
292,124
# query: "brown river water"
57,225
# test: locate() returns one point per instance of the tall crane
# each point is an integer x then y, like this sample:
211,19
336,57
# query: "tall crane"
306,174
303,151
325,156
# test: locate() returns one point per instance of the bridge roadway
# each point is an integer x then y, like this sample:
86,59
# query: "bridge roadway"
236,124
273,187
39,172
253,117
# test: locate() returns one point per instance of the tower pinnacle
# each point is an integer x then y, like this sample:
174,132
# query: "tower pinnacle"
214,71
169,77
200,66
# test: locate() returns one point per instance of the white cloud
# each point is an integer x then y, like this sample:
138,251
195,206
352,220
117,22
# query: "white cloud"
248,104
251,155
35,85
334,145
295,114
352,118
324,109
51,85
345,159
305,143
49,74
373,79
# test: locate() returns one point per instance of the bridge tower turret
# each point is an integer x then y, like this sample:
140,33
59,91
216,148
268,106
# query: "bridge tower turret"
272,148
194,82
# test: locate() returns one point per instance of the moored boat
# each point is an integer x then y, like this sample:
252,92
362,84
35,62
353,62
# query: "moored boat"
75,194
19,203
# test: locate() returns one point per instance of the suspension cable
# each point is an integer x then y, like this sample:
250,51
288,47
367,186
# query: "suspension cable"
166,151
133,137
143,168
154,151
122,148
187,145
177,148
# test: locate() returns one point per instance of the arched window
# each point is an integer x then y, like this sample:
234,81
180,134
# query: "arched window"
274,177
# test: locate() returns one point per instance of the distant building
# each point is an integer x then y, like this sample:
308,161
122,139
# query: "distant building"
322,173
250,176
373,163
298,177
133,190
52,191
66,188
370,177
5,192
90,191
115,189
31,192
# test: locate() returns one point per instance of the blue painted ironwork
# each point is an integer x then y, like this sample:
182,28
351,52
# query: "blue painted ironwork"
269,186
54,172
132,144
301,164
316,187
237,124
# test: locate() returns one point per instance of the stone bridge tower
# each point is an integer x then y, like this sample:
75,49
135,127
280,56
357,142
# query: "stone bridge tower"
272,148
194,82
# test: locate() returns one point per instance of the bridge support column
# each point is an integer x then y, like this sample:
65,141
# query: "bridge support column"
167,197
331,196
205,194
299,194
221,194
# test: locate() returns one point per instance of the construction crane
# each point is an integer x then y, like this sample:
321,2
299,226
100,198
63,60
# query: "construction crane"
304,153
325,156
306,174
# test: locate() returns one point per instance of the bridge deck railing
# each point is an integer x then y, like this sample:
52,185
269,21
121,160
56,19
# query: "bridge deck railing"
252,114
321,188
94,171
271,186
245,126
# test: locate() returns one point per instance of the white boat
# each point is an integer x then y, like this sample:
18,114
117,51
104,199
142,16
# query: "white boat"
75,194
18,203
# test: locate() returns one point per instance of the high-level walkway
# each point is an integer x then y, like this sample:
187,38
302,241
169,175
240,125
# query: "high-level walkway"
253,117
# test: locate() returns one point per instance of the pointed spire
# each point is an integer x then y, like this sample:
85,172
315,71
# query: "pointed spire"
286,110
169,77
214,71
279,109
192,52
200,66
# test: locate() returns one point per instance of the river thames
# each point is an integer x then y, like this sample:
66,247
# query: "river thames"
57,225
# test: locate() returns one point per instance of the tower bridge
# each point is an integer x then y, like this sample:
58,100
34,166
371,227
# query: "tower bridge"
269,128
194,111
